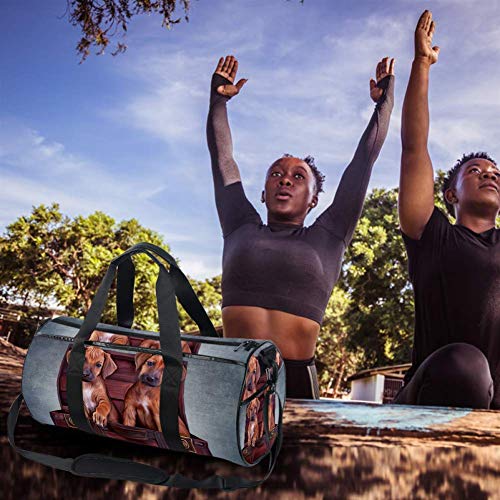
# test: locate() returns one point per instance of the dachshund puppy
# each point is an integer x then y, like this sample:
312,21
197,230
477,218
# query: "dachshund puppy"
98,366
142,401
253,431
113,338
252,377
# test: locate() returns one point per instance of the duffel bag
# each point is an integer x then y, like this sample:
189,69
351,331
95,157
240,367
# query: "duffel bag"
203,394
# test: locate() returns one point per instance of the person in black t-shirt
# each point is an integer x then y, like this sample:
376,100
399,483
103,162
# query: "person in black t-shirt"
454,269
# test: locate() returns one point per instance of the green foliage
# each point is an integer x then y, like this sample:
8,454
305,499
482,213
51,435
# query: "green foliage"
209,294
49,260
380,312
335,358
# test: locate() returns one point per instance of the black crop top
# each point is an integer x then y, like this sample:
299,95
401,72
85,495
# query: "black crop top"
281,266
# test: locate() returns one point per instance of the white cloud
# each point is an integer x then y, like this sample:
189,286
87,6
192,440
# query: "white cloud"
36,170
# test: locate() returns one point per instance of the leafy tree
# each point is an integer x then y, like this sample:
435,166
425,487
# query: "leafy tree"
100,19
336,358
50,260
380,315
210,295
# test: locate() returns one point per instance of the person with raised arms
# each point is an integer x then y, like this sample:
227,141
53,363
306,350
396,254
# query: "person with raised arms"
277,277
454,268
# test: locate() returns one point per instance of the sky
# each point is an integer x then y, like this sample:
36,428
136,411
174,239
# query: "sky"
126,135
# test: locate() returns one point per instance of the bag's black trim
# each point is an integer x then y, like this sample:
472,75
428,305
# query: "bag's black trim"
76,323
119,347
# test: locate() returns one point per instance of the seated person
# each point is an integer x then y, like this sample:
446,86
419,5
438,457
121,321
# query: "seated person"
454,269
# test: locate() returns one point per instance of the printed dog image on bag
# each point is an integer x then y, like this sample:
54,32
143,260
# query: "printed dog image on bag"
98,366
142,400
256,378
122,376
121,391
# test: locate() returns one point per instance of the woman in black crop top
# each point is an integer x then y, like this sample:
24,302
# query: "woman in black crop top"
277,277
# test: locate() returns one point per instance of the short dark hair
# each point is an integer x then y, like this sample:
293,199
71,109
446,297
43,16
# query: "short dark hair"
451,175
320,178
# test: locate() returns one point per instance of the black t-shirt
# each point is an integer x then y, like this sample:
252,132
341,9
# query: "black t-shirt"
456,280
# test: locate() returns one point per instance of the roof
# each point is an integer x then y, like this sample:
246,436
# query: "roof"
397,371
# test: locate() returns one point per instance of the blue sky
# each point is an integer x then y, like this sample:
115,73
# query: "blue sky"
126,134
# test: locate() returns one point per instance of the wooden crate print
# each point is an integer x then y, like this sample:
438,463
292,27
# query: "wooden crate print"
132,373
121,376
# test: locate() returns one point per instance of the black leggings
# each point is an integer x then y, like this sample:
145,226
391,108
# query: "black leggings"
454,375
301,378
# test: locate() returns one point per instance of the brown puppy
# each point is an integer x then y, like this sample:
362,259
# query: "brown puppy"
113,338
142,401
98,366
253,431
252,377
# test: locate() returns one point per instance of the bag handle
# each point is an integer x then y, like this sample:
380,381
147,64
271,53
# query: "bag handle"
185,293
107,467
170,346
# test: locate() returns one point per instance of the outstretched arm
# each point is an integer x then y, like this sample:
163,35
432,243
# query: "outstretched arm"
416,185
220,144
341,217
233,207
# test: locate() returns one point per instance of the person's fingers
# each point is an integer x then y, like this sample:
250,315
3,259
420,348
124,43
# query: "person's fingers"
421,20
230,65
240,83
377,71
436,48
225,66
385,66
428,21
234,68
373,83
432,27
219,64
391,66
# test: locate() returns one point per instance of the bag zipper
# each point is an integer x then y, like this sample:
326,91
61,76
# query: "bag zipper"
247,345
195,338
119,347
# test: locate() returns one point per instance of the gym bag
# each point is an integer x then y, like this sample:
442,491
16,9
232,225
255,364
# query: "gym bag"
203,394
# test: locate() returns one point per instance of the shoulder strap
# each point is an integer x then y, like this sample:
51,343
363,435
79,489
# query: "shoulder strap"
107,467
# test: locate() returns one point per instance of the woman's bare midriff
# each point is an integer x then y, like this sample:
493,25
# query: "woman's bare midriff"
294,335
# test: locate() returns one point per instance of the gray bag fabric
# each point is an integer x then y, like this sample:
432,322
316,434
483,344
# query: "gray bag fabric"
213,396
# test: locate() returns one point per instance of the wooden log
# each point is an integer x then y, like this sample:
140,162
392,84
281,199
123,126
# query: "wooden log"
331,421
331,449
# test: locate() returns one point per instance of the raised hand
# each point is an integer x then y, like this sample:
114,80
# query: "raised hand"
423,38
228,68
384,68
